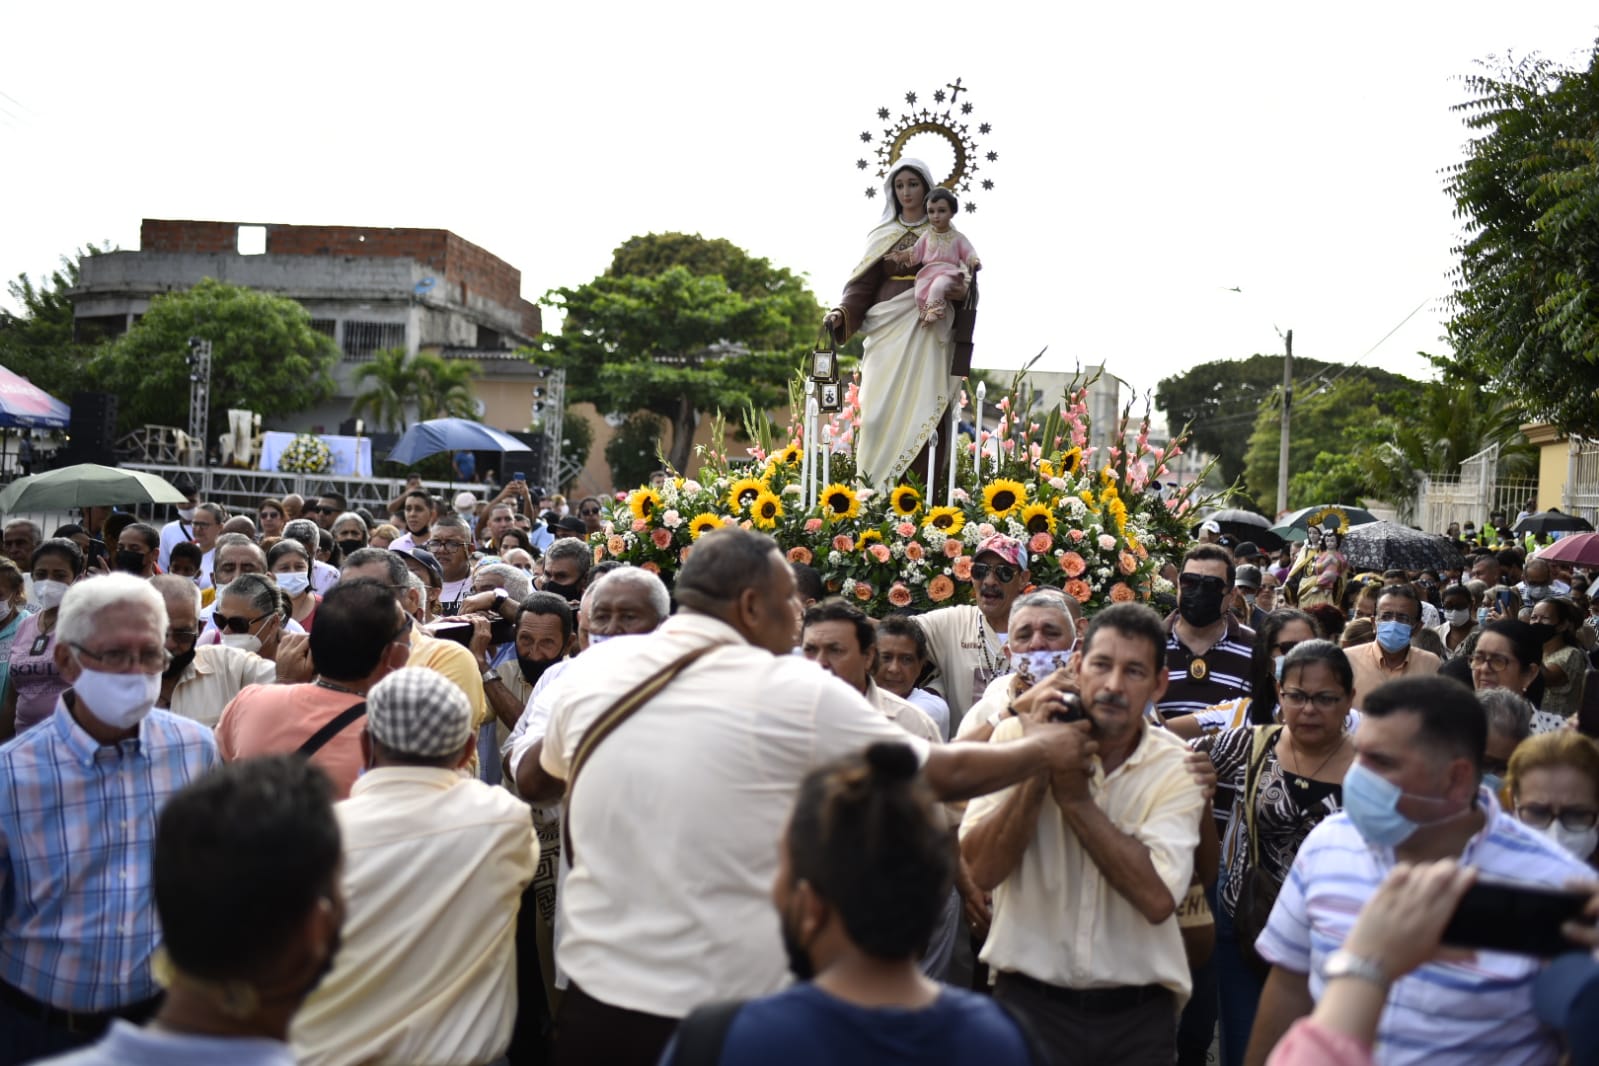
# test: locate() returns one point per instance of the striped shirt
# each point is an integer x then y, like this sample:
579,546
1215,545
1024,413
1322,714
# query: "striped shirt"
1226,672
77,831
1442,1014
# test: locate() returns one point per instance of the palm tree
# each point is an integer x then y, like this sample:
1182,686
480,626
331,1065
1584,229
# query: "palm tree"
388,386
443,387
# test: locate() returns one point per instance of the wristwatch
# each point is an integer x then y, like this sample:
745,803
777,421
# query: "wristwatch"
500,596
1343,963
490,675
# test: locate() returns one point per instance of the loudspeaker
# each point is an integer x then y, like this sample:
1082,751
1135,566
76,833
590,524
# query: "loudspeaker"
93,428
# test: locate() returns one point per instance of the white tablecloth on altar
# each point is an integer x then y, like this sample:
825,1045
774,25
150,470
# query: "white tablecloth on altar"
352,456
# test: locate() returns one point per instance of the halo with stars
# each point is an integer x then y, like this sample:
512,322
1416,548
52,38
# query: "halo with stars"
952,123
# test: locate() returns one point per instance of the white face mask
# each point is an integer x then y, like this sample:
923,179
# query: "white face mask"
1579,843
47,594
186,514
1457,618
242,641
293,583
118,700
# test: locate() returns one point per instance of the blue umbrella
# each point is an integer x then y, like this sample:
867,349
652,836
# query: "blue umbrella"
451,435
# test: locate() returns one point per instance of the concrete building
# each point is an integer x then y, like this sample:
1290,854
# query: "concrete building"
367,288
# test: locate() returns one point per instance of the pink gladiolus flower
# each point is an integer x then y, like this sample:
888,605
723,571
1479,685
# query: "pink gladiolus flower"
1010,445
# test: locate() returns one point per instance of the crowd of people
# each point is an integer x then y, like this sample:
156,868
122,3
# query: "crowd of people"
300,786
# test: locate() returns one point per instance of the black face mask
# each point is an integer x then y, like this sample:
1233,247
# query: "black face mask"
799,961
566,592
179,664
348,546
129,562
1544,632
533,669
1201,607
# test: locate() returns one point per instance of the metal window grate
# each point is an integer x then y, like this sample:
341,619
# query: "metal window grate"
361,339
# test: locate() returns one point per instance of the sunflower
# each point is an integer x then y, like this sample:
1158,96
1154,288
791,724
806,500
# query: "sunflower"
870,536
766,510
702,524
644,503
1046,470
1038,518
743,491
947,520
788,456
1070,461
905,501
839,501
1003,496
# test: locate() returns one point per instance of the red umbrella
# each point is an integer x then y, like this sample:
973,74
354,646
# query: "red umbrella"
1578,549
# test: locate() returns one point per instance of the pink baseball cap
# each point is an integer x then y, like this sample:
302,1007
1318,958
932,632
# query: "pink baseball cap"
1007,548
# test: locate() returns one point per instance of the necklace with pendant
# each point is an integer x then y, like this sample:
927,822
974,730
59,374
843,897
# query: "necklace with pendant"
1300,780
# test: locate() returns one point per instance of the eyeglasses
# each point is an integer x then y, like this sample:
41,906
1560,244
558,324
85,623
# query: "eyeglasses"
236,624
119,659
271,514
1324,701
1198,582
319,509
1391,616
437,546
1575,819
588,510
1001,571
1493,662
182,636
1283,647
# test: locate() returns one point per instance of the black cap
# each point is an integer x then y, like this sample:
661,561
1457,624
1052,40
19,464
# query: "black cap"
573,524
1247,549
426,558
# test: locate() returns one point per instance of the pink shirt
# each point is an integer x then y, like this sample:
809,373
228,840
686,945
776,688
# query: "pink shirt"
277,719
34,675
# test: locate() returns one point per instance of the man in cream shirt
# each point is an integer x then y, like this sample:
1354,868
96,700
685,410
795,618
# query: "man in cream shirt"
434,867
1087,865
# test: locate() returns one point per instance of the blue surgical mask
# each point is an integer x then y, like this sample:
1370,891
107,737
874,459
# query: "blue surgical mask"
1372,803
1493,783
1277,666
1393,637
1482,616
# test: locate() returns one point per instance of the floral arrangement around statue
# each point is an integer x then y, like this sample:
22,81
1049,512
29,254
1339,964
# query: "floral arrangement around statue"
306,454
1092,524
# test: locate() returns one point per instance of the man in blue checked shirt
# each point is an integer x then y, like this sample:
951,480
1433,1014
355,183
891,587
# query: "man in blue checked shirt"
1414,794
79,796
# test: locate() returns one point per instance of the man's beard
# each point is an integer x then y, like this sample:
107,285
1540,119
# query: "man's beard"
533,669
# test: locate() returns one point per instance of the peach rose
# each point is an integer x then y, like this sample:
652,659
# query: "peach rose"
812,525
1126,563
799,554
1107,542
985,530
1079,590
940,589
651,567
963,568
863,591
639,525
662,538
1076,535
682,556
880,552
599,552
1072,564
899,595
843,543
906,529
1040,543
1120,593
952,548
914,552
615,544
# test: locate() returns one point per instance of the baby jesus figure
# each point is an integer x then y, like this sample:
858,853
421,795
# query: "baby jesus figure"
942,255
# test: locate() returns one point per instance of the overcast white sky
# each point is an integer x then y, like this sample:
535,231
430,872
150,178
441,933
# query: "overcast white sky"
1151,156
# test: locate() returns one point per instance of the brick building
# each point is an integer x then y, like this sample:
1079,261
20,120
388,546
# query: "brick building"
367,288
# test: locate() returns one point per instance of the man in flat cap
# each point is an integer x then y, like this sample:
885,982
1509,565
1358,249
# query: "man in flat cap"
434,868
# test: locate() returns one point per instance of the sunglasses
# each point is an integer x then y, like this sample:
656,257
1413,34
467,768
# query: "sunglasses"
237,623
1003,572
1283,647
324,510
589,510
1197,582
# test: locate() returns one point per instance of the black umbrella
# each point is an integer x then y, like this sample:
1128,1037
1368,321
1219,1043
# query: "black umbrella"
1553,522
1243,525
1390,546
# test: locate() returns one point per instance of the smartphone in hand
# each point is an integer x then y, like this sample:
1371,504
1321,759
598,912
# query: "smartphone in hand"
1515,918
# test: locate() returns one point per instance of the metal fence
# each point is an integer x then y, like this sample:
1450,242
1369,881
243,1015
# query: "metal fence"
1473,494
1581,496
241,491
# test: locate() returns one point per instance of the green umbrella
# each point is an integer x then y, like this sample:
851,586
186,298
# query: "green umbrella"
86,485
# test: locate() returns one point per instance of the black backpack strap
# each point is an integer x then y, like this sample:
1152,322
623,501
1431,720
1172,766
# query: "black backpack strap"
316,740
701,1035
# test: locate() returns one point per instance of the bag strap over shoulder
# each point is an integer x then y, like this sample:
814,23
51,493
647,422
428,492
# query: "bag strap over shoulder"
316,741
1261,743
609,722
701,1036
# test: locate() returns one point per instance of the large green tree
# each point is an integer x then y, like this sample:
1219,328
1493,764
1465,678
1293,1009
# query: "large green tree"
677,343
264,357
37,342
1526,306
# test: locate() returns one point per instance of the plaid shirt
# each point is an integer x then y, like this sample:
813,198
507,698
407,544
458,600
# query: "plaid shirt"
77,832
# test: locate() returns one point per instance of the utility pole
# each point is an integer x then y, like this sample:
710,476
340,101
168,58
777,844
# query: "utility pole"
1288,406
